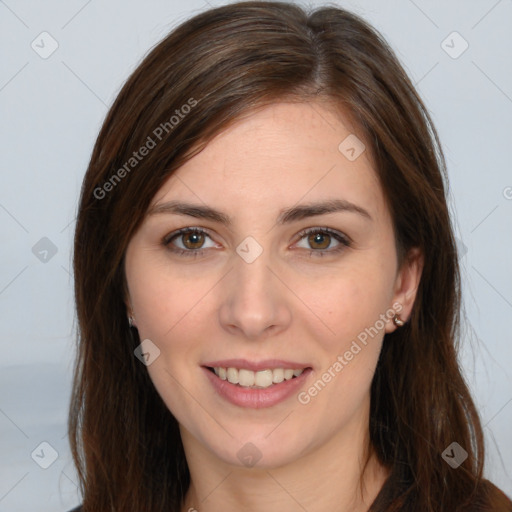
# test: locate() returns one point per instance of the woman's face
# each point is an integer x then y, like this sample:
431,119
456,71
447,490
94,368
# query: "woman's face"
272,281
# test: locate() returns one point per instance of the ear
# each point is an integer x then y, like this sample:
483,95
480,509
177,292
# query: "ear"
406,285
130,316
128,303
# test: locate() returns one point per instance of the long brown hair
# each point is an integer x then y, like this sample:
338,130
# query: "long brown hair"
207,73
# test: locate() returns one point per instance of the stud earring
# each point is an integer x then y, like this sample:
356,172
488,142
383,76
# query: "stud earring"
130,320
398,321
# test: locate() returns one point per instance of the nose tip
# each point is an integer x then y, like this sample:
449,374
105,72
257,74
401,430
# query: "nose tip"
253,303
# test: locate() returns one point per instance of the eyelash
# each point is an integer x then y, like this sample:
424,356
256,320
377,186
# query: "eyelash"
344,241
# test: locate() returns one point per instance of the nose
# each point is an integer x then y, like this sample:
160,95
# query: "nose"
255,301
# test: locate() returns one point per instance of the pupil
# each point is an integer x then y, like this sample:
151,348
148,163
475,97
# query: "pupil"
318,238
196,239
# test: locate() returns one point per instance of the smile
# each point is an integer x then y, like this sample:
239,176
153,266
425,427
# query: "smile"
256,380
266,384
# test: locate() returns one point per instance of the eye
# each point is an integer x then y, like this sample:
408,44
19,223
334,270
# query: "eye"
192,241
320,239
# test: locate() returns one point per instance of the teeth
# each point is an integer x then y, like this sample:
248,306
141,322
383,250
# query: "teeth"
232,375
261,379
245,378
277,375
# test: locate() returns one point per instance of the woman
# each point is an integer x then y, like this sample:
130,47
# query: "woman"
267,285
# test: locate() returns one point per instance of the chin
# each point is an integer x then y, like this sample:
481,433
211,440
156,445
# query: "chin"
259,450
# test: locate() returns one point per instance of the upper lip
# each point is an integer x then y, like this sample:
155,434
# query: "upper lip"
256,365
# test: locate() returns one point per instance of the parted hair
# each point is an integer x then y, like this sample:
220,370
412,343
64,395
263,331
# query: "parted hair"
225,63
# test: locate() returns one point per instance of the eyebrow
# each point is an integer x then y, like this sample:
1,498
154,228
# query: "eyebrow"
286,215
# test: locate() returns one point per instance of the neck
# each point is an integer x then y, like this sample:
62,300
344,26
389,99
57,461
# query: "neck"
331,477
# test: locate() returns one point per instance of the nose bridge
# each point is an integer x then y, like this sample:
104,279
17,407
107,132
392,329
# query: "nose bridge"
252,278
251,267
254,300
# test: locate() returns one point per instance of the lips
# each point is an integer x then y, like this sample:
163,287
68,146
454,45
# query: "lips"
256,366
249,384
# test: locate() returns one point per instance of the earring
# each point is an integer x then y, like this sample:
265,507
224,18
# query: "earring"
398,321
130,320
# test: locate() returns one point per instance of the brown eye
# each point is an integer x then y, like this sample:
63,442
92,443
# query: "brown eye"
188,242
319,240
192,239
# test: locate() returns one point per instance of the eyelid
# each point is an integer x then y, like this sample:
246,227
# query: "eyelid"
325,229
343,240
189,229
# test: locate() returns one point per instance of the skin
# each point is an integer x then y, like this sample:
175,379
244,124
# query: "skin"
287,304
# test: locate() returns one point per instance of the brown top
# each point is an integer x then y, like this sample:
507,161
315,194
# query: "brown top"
390,491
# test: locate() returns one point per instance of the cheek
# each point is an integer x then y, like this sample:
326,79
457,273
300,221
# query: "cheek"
163,299
350,306
170,312
347,304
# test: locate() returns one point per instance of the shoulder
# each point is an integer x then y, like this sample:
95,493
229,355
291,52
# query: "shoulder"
396,495
489,498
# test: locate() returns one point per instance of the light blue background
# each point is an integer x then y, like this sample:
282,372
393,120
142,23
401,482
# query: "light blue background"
51,110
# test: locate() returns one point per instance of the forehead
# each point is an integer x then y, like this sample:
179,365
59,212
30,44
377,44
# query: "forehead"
280,155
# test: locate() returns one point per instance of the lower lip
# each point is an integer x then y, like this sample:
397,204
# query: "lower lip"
255,398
